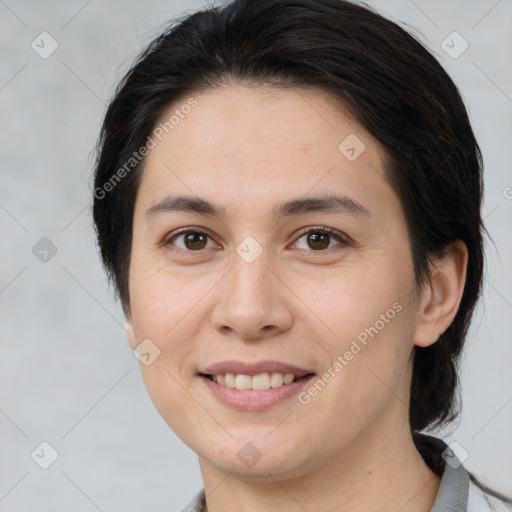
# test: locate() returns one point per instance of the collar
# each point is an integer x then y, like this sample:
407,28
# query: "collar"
453,490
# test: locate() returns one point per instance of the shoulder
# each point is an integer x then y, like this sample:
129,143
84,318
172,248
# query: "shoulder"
460,490
196,504
479,500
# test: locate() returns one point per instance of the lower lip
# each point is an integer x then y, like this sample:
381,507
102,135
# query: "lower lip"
252,400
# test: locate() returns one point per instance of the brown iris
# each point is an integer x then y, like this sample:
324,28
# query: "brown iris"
195,241
318,240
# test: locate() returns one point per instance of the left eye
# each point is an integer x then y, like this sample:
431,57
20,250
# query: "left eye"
320,239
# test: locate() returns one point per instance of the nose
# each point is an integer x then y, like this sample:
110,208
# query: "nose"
252,303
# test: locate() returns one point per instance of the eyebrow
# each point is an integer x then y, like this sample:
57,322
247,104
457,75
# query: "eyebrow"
326,203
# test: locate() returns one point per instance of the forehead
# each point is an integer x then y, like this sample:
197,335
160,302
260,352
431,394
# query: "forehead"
296,119
250,145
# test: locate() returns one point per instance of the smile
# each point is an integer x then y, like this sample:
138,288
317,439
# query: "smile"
253,386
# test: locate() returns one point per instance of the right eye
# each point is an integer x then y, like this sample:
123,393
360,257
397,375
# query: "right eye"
193,240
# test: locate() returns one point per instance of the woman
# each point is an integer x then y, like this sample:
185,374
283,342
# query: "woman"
274,202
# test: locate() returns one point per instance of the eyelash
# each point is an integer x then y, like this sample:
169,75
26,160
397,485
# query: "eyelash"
323,230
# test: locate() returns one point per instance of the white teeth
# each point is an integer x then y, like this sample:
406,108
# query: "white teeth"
243,382
276,379
230,380
261,381
288,378
258,382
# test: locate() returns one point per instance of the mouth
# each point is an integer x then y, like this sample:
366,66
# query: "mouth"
253,386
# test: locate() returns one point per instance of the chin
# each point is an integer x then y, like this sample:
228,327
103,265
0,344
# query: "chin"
254,456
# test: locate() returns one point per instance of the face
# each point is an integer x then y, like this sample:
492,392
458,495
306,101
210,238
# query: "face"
291,256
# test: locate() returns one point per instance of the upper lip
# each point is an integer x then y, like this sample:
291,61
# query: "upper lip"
244,368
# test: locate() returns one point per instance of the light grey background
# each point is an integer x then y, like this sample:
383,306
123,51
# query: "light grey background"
68,375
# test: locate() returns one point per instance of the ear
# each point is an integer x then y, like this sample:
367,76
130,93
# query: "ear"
130,333
441,295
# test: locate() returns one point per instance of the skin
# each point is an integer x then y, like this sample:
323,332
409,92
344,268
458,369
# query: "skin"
349,448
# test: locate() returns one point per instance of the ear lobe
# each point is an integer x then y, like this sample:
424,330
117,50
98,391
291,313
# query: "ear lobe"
441,296
130,334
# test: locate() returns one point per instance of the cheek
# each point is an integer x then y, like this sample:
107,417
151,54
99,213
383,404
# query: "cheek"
371,319
352,301
164,311
176,405
161,298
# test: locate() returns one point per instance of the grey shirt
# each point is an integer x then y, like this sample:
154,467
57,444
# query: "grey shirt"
458,491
